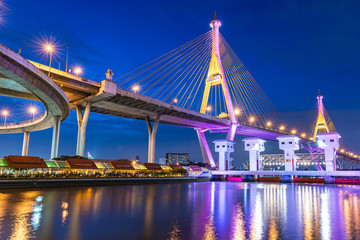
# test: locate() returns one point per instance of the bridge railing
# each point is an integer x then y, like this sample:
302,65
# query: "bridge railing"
11,125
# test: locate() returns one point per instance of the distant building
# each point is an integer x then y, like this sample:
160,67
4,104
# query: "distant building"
162,161
177,158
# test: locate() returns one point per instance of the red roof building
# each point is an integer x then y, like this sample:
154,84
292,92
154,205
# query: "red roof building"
122,165
81,164
25,162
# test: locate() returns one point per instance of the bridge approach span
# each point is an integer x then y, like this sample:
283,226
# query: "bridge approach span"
21,79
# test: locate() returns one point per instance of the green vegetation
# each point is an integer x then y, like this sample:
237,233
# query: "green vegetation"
64,157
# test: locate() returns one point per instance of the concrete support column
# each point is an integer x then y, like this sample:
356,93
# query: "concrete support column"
55,138
25,148
329,142
204,146
224,148
82,123
289,144
254,146
152,137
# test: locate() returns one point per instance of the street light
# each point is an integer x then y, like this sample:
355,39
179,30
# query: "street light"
252,119
303,135
78,71
268,124
136,88
282,128
49,48
175,100
33,111
293,131
5,113
237,111
208,108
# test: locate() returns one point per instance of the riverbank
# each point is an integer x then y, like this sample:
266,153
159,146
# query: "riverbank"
73,182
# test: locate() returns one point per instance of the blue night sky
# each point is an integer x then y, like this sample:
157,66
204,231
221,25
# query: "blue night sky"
292,48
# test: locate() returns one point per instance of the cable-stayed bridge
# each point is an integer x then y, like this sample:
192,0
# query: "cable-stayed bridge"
202,85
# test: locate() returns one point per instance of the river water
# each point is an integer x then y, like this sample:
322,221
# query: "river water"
209,210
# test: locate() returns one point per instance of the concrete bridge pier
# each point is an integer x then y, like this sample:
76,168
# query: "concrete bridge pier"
289,144
82,123
55,138
254,146
25,147
224,148
329,142
152,137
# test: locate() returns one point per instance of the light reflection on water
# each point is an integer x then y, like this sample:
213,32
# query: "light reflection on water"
213,210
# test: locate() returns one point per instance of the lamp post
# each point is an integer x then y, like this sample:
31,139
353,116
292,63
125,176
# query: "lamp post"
208,109
5,113
136,88
78,71
49,49
33,111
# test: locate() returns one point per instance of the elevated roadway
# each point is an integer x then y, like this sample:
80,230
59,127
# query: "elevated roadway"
21,79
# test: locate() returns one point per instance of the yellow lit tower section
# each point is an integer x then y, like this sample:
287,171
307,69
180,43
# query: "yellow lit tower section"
216,74
321,125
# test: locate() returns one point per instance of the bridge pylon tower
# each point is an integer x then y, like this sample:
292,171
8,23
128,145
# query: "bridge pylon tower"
216,76
321,125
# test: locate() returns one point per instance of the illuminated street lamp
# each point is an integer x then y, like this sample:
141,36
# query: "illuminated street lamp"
268,124
252,119
282,128
293,131
78,71
208,108
303,135
175,100
5,113
49,48
237,111
33,111
136,88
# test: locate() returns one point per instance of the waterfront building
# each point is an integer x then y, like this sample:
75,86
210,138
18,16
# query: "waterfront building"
304,162
177,158
162,161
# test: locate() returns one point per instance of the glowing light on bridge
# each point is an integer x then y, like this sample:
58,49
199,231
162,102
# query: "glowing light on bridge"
136,88
175,100
282,128
293,131
303,135
49,48
268,124
237,111
33,110
208,108
78,70
5,113
251,119
342,150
